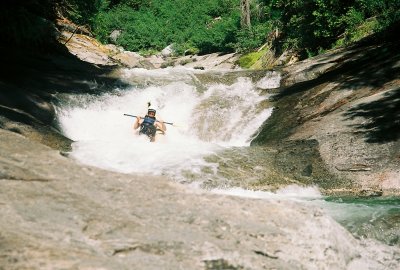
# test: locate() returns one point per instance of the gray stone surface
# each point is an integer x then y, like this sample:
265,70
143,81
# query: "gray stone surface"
347,101
57,214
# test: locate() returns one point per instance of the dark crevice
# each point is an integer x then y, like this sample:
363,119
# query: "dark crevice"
262,253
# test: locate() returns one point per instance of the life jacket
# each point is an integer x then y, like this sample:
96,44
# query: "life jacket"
149,120
147,127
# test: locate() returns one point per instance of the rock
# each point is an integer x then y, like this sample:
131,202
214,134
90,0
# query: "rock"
266,61
354,167
66,25
167,51
57,213
287,58
23,124
342,100
271,80
370,193
153,62
28,91
282,59
28,102
212,61
147,64
88,49
114,36
129,59
114,49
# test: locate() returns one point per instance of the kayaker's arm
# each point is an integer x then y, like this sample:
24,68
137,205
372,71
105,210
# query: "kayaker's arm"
160,125
159,121
137,123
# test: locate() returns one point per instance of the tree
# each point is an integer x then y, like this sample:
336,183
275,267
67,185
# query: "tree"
245,13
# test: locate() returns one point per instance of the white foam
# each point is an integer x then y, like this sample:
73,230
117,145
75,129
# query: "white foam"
105,138
271,80
289,192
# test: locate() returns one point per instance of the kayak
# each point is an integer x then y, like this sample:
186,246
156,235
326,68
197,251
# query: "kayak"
160,134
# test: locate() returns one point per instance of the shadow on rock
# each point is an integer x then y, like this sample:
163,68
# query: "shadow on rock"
29,82
370,67
382,116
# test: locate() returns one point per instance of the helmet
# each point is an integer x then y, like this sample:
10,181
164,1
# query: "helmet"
149,110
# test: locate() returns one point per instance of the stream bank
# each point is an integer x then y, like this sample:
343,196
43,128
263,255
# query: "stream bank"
58,213
345,105
335,122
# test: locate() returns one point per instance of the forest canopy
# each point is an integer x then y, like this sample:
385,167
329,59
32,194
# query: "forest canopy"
192,26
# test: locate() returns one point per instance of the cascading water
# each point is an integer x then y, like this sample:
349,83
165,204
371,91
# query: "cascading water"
208,118
204,120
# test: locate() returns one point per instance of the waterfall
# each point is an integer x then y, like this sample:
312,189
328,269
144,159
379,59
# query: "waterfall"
206,119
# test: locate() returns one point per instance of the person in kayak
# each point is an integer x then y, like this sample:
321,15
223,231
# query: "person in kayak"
149,125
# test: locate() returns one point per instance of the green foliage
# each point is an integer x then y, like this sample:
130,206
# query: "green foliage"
308,26
255,37
218,37
185,49
81,11
367,17
135,4
358,31
191,25
312,26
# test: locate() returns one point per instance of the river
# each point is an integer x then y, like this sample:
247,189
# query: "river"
209,118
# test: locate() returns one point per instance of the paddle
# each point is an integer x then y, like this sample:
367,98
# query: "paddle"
169,123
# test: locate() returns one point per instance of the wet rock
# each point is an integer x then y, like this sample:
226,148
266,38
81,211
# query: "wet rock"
370,193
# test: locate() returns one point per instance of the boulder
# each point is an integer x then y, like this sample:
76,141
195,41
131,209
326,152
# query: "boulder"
114,36
210,61
129,59
167,51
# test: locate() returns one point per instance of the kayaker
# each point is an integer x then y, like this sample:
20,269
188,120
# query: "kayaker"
149,125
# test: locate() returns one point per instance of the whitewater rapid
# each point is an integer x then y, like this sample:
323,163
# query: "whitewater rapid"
205,121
